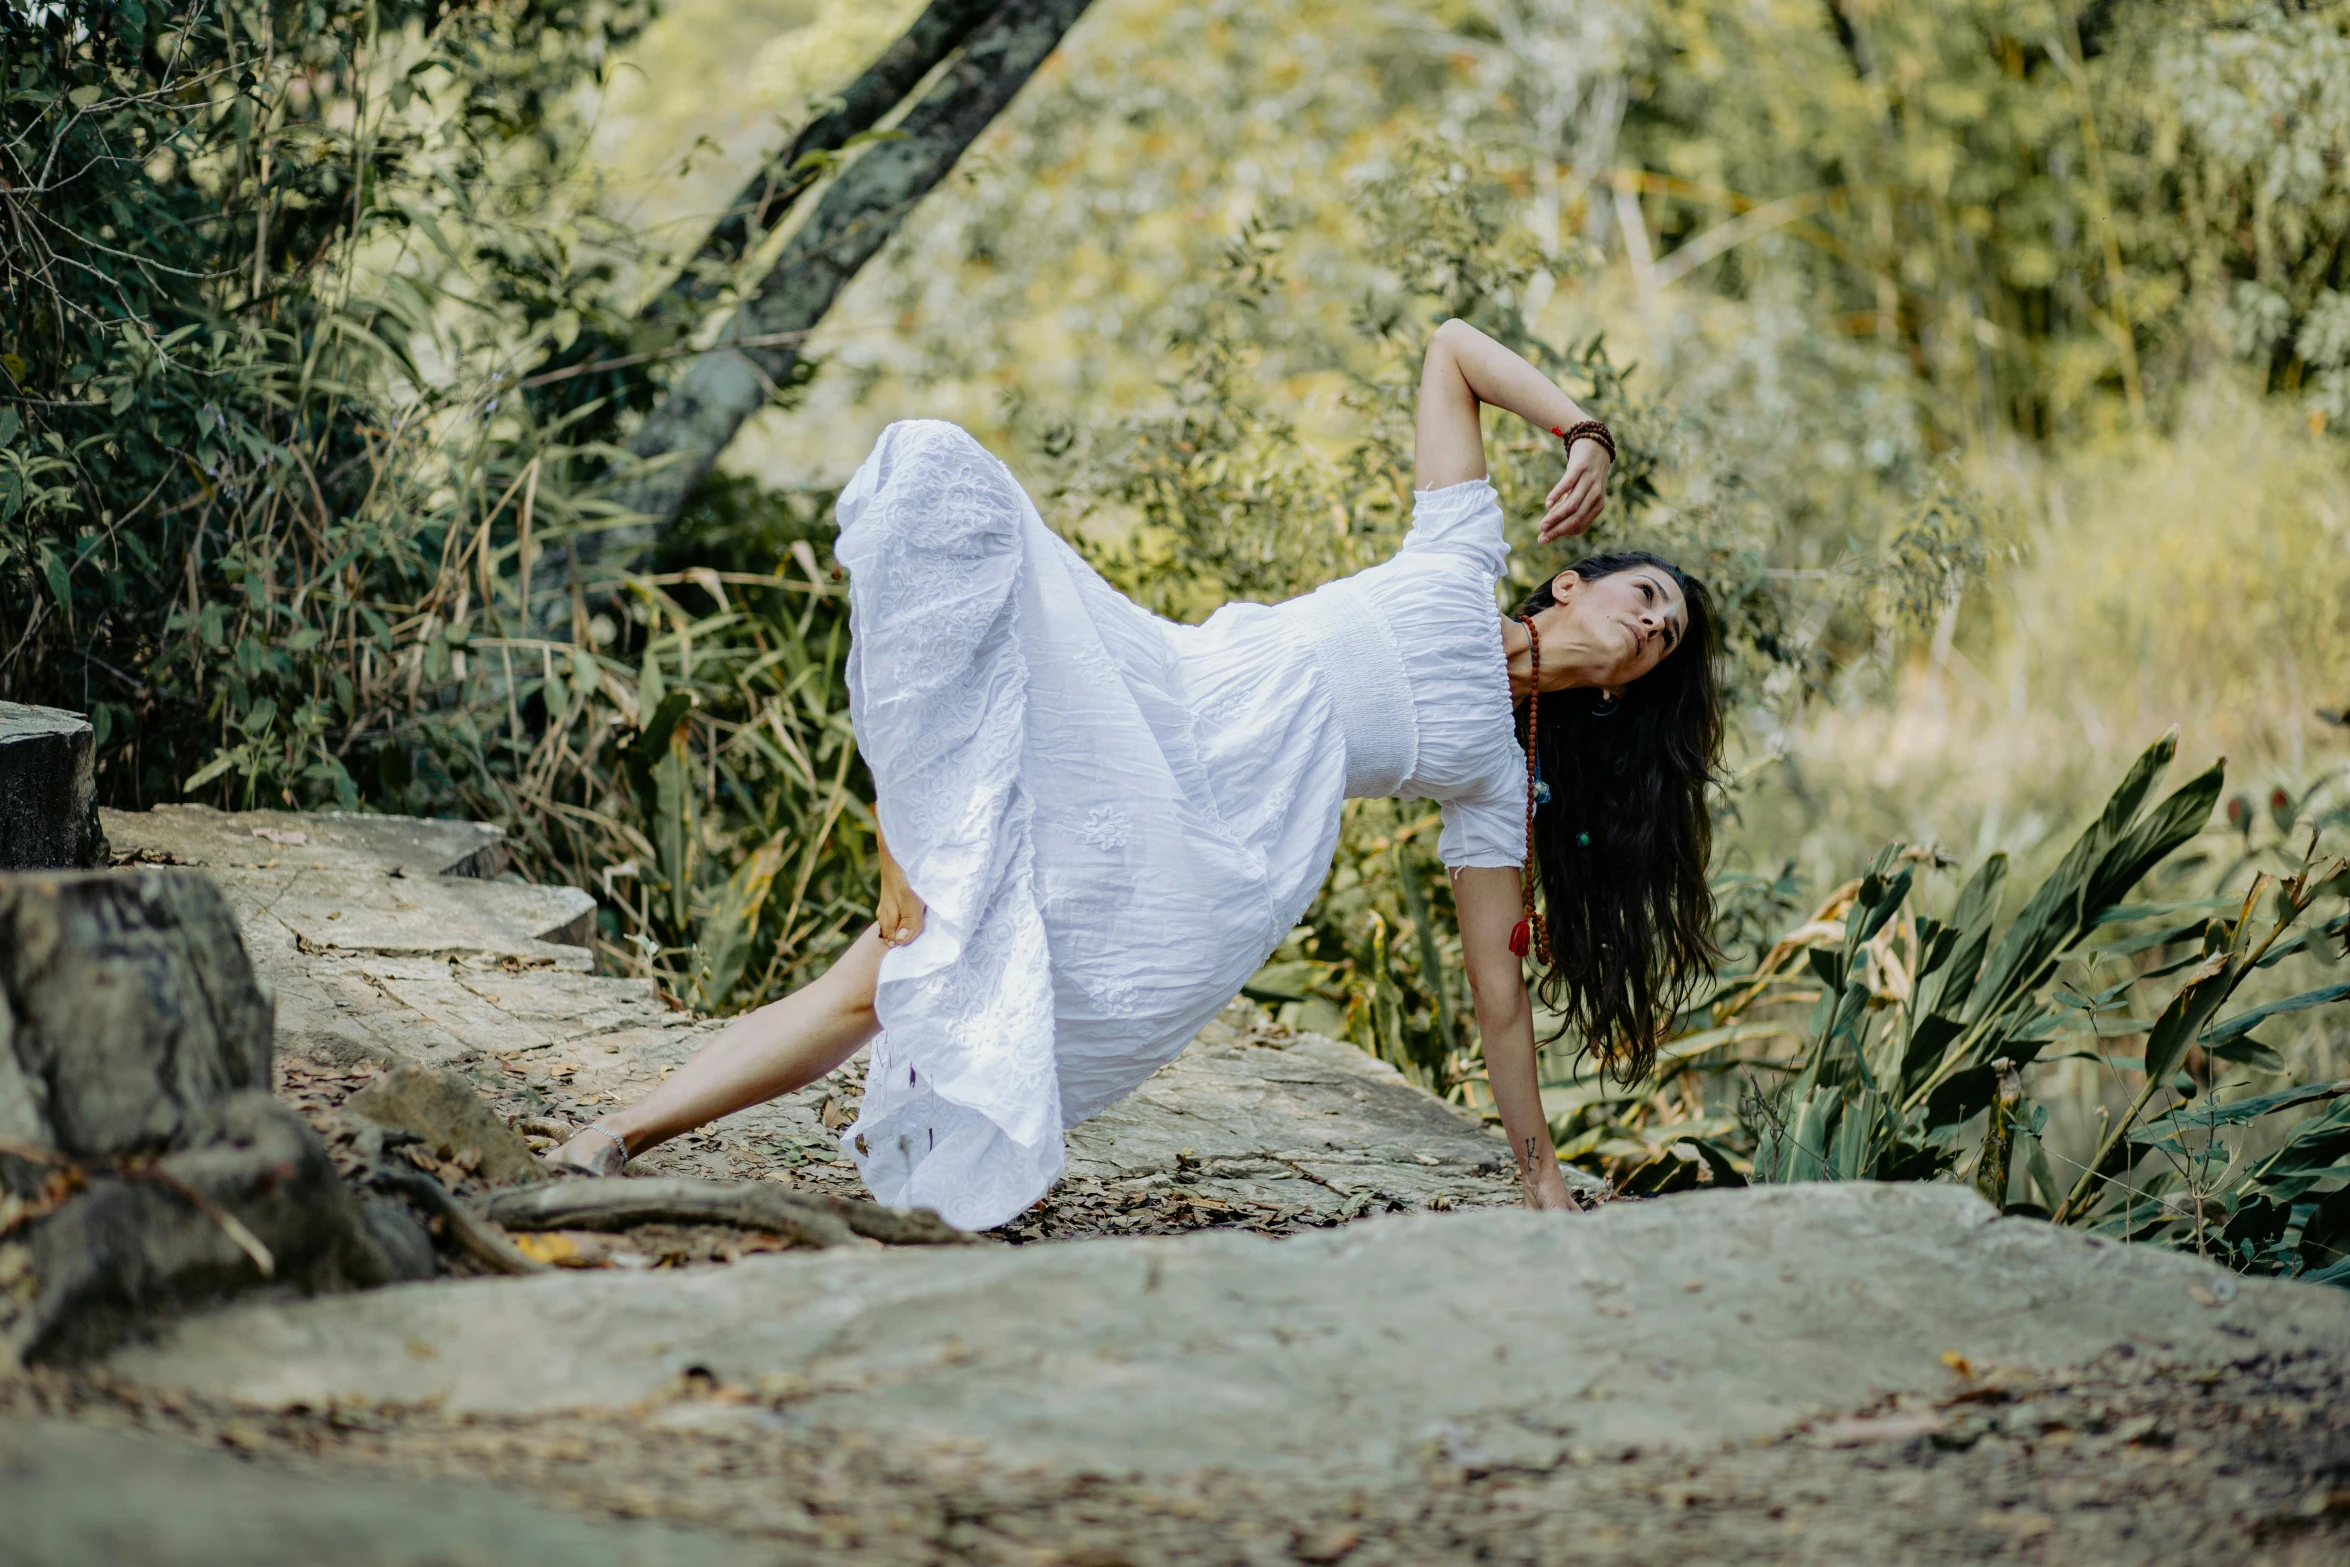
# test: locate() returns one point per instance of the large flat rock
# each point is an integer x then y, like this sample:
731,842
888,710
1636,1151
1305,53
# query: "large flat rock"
384,945
77,1497
1343,1356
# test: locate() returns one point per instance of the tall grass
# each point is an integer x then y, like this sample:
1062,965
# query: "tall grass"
2149,579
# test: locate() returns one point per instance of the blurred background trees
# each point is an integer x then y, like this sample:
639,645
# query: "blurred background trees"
1992,357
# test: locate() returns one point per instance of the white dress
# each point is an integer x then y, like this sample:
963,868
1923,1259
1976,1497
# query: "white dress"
1113,819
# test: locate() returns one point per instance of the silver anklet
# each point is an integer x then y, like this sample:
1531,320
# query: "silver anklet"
618,1141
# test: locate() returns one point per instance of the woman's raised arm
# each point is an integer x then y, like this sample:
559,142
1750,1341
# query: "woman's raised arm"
1488,902
1465,369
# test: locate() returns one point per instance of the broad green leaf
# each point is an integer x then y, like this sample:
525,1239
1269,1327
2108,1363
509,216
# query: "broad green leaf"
2334,1273
1961,1095
1852,1156
2170,824
2206,989
2246,1022
1978,906
1935,942
1924,1053
2124,913
2322,942
2308,1158
1813,1124
2325,1234
723,939
2162,936
2054,916
219,764
2236,1113
1890,896
2251,1053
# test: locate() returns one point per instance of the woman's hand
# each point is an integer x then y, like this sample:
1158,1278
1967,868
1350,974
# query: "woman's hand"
1575,501
897,913
1545,1188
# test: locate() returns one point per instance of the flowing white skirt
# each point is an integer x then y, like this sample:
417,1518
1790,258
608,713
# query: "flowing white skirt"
1111,819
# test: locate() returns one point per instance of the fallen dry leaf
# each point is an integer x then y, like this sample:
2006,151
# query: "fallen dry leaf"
554,1249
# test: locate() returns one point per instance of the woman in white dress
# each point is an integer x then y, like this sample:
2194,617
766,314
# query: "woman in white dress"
1097,824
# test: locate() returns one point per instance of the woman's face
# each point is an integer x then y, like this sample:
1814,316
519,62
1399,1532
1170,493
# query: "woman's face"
1629,620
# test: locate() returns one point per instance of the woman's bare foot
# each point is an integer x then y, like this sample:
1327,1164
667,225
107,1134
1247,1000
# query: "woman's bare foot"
593,1150
783,1046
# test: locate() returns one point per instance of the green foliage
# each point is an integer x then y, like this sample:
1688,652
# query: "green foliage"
235,504
2044,208
269,505
1923,1030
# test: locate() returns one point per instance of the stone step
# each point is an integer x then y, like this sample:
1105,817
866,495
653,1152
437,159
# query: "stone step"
326,840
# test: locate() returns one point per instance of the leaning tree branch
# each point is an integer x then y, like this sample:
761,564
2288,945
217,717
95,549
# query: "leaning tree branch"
934,35
612,1203
701,413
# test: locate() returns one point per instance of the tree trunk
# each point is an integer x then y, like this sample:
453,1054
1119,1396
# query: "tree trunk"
687,430
916,53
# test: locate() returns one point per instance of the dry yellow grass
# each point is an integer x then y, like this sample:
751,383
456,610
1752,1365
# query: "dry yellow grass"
2201,580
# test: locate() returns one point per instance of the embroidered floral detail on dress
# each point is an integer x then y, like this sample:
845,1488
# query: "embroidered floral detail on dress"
1107,828
1115,995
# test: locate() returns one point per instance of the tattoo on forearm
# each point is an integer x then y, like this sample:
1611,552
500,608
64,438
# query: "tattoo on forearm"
1531,1156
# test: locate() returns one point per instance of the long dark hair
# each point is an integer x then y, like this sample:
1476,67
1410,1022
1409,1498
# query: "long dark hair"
1627,835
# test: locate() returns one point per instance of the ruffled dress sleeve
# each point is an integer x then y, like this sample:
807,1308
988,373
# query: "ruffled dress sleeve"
1486,829
1462,520
1439,594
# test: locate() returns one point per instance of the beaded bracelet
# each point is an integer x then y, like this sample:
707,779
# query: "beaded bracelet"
1587,430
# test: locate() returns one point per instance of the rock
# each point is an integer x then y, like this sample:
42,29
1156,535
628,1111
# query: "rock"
48,791
133,1008
326,840
1251,1125
1267,1115
406,1244
442,1109
319,895
137,1246
1342,1357
65,1490
160,1176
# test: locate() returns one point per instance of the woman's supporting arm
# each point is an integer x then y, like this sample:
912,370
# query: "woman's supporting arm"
1466,369
1489,903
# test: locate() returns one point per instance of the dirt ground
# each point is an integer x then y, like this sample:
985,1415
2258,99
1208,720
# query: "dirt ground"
2130,1461
1077,1208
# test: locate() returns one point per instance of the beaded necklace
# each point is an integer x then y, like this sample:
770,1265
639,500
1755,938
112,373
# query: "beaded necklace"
1532,933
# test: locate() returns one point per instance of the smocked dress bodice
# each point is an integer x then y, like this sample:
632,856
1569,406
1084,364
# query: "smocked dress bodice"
1405,680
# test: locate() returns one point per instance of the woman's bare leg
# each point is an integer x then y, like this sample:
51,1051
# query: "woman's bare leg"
783,1046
